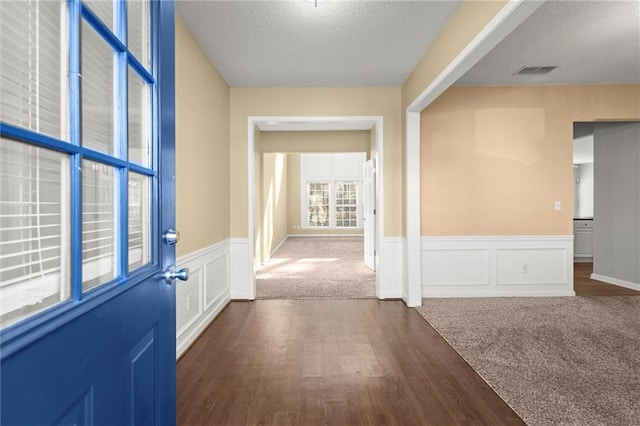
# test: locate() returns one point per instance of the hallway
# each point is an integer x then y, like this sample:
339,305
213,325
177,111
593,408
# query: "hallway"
334,362
317,268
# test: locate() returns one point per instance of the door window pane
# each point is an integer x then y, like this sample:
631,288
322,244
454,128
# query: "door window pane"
97,92
138,30
34,230
33,70
139,219
98,224
139,120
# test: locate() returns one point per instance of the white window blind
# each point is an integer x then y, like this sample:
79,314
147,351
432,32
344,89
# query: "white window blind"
97,82
34,229
34,66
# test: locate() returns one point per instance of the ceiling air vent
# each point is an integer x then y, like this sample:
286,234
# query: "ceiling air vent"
534,70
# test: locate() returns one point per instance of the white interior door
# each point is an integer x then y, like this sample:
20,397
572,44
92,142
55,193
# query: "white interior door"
369,213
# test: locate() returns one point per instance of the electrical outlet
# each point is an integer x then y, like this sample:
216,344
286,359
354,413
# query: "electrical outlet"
189,301
557,205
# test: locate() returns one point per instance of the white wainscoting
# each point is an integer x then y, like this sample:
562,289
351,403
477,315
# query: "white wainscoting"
494,266
390,268
200,299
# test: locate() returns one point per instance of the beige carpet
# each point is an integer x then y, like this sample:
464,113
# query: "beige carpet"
555,361
317,268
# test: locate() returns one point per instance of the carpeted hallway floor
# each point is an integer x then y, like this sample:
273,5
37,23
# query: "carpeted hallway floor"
317,268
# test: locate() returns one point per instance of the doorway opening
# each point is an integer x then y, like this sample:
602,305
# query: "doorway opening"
311,234
308,205
606,176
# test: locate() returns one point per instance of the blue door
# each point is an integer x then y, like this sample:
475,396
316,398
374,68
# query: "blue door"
87,320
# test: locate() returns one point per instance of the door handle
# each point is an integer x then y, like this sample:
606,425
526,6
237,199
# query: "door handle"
171,274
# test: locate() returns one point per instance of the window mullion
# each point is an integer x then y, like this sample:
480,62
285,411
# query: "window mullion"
75,138
121,117
332,203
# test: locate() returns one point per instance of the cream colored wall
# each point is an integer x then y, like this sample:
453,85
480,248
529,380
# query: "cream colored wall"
274,202
202,147
380,101
325,141
494,159
293,200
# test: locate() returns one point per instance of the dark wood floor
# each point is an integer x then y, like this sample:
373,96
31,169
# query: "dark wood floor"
338,362
585,286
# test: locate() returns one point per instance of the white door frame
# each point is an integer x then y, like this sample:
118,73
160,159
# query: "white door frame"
311,123
506,20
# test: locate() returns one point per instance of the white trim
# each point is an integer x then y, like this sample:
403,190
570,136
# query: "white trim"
506,20
323,235
411,288
241,274
243,282
497,266
201,265
391,273
616,281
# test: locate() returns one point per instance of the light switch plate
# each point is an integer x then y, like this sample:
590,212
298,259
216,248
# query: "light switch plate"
557,205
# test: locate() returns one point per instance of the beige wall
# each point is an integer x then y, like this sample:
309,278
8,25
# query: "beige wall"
274,202
293,204
202,147
494,159
382,101
343,141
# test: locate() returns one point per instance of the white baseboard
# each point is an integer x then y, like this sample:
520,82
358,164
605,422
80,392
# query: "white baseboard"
497,266
616,281
390,268
208,291
583,259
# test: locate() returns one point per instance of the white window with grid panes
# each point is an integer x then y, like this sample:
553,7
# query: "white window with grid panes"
346,208
330,187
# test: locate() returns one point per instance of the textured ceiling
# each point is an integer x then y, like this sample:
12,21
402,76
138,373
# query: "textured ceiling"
337,44
591,42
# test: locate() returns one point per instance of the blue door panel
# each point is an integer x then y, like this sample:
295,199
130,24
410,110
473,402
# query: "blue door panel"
80,413
61,377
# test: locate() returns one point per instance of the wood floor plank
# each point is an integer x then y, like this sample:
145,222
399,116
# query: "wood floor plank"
330,362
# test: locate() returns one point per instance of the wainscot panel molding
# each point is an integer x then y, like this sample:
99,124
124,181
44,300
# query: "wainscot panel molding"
390,268
200,299
241,270
616,281
497,266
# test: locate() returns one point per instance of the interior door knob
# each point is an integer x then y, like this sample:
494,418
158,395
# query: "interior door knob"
171,236
171,274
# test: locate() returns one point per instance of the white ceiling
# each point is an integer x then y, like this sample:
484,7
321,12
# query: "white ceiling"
294,44
590,41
